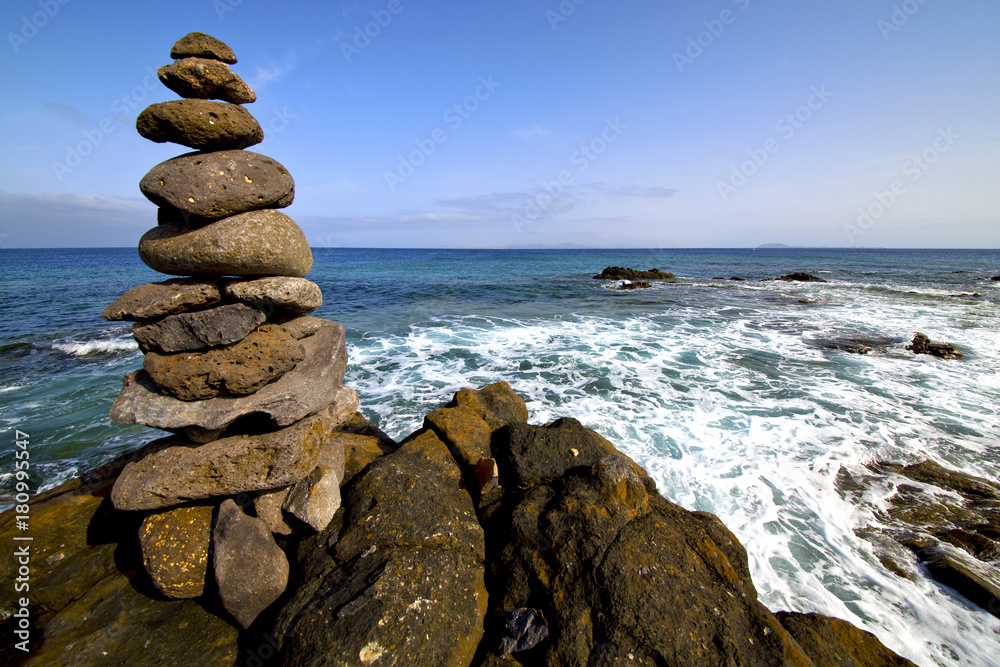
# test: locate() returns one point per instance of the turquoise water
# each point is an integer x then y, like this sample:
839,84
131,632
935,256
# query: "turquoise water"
726,391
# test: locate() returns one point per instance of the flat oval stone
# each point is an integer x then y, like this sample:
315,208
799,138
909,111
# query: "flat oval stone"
219,184
205,79
152,300
293,295
201,45
214,327
258,243
200,124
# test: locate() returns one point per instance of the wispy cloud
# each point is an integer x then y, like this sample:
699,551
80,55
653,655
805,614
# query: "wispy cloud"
532,133
68,113
67,220
273,70
631,190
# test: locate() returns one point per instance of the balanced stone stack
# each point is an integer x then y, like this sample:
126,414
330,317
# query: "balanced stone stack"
247,382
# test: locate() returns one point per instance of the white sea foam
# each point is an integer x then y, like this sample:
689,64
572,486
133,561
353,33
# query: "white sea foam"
96,347
744,418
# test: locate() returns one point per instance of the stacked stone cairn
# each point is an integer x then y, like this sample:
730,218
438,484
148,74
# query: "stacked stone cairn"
248,383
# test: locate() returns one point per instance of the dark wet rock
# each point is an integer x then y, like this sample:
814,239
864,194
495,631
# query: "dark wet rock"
175,548
463,430
171,471
219,184
638,284
251,571
214,327
200,124
292,295
205,79
621,273
970,486
995,278
237,370
250,244
524,629
153,300
853,345
800,277
304,390
359,451
971,578
315,499
358,425
737,278
922,345
201,45
404,585
832,642
497,404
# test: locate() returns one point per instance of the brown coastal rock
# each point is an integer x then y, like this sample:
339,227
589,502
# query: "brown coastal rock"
306,389
237,370
199,124
152,300
250,244
175,549
205,79
292,295
219,184
201,45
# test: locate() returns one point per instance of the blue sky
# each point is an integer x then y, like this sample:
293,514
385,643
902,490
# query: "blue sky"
728,123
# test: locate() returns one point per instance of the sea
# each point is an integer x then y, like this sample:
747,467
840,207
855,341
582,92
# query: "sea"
738,396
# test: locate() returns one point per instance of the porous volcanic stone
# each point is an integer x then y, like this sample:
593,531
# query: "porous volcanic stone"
152,300
199,124
464,431
293,295
497,404
251,244
171,471
237,370
205,79
175,546
306,389
250,569
220,184
201,45
831,641
223,325
922,345
622,273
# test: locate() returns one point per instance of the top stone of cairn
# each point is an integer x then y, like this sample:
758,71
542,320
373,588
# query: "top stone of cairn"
200,45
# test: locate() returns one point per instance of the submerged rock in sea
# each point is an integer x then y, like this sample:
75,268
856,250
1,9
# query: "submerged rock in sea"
922,345
800,277
621,273
638,284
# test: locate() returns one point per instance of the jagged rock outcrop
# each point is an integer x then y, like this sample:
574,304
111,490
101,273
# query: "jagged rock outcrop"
622,273
922,345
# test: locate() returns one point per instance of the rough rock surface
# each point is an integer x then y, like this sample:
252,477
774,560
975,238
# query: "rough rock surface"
463,430
237,370
800,277
199,124
293,295
222,325
638,284
201,45
152,300
264,242
175,546
205,79
831,642
169,471
305,389
405,583
250,569
922,345
359,451
315,499
497,404
267,505
219,184
622,273
300,327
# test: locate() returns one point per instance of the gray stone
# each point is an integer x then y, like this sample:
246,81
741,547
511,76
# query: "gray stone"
302,391
315,499
201,45
524,629
205,79
200,124
219,184
293,295
215,327
152,300
170,471
250,244
250,569
300,327
268,507
237,370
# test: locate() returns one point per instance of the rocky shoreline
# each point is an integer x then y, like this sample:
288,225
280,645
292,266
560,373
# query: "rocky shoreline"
480,539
